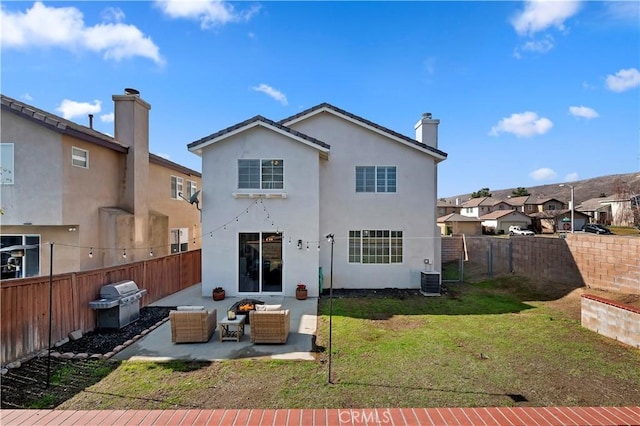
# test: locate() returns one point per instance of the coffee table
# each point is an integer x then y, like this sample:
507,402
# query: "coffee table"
231,329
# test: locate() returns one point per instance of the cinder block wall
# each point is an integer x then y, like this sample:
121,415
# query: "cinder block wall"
452,249
611,319
608,262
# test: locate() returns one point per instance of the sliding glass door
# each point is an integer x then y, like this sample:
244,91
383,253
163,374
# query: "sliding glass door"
260,262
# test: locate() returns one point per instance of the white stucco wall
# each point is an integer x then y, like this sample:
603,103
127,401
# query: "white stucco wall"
36,195
412,209
297,215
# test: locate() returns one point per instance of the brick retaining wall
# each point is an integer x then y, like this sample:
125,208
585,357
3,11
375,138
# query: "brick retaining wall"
611,319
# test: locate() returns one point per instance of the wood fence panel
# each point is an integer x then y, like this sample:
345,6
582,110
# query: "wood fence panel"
24,303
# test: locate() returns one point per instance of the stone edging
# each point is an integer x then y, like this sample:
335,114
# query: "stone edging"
71,355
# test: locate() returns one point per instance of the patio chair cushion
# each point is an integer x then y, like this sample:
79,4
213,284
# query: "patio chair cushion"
270,326
268,307
190,308
189,326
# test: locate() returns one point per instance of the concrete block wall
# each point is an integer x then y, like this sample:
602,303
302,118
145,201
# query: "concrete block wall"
607,262
452,249
611,319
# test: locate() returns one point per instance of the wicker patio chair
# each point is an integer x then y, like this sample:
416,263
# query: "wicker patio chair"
270,326
192,325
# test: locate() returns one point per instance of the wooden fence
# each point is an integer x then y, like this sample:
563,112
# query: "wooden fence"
24,303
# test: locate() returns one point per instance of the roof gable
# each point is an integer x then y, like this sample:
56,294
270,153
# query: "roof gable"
455,217
363,122
197,146
501,213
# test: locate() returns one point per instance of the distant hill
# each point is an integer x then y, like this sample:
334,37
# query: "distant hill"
584,189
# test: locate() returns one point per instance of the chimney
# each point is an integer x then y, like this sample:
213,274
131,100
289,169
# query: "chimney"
91,121
131,128
427,130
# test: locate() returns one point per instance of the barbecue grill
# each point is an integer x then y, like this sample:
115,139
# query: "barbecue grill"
119,304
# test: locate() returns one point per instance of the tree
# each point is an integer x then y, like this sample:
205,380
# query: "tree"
484,192
520,192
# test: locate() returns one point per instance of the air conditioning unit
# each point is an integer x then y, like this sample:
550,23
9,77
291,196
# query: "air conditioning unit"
430,283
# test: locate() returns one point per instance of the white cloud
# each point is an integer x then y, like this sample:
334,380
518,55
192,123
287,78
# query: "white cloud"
584,112
523,124
544,173
571,177
27,97
107,118
209,12
541,46
270,91
112,14
163,155
64,28
623,11
71,109
587,86
538,15
623,80
430,65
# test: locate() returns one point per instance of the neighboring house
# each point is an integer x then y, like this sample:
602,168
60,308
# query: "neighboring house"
446,207
525,204
545,204
598,212
552,221
478,207
499,221
456,224
624,209
102,200
322,171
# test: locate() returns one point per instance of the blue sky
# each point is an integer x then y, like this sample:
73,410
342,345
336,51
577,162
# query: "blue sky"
528,93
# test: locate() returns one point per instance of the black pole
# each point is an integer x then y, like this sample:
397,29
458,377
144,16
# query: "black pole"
331,240
50,310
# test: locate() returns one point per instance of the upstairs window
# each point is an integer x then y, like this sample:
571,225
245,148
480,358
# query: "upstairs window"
375,179
6,164
176,187
192,187
261,174
80,157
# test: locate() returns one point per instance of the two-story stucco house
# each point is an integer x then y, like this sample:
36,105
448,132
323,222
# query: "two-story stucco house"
478,207
273,191
102,200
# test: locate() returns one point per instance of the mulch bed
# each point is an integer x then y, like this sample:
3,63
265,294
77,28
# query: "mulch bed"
46,382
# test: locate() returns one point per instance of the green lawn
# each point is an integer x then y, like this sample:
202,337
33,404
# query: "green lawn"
493,343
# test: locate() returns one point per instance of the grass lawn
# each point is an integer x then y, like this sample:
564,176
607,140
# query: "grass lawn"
492,343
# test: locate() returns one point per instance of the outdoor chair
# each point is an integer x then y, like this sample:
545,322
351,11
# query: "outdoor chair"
190,324
270,326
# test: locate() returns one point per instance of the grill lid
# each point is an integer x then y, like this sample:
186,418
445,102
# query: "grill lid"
118,290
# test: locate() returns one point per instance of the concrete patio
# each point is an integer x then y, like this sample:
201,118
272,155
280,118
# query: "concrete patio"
157,346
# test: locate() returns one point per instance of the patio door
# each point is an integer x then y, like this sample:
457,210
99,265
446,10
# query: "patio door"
260,262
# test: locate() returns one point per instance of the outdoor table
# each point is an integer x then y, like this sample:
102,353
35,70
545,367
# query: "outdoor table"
232,329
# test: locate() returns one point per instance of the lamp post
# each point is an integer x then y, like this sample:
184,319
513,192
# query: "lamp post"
572,206
332,241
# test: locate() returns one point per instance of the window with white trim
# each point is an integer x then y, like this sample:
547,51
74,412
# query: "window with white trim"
375,246
79,157
192,187
23,262
176,187
376,179
261,174
179,240
6,164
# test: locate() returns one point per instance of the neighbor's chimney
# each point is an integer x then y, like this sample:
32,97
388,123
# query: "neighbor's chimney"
427,130
131,128
91,121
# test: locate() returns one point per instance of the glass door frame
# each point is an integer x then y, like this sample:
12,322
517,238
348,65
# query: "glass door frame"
254,271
